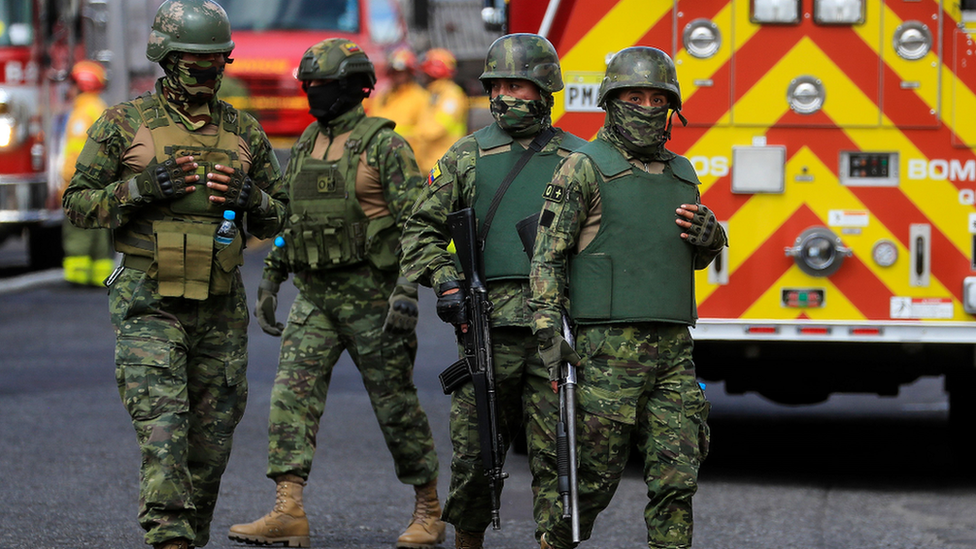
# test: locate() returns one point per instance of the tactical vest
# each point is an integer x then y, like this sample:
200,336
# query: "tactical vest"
178,234
637,268
327,228
503,256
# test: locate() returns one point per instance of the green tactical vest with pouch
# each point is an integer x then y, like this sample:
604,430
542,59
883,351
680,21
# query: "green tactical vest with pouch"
637,268
327,228
503,255
178,235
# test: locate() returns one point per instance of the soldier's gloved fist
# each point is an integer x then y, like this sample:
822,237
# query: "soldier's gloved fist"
162,181
265,308
242,194
554,350
704,228
450,303
402,318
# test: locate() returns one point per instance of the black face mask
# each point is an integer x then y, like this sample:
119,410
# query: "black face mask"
323,101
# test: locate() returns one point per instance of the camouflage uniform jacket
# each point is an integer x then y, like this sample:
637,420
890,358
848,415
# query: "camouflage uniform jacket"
450,187
98,195
578,181
389,155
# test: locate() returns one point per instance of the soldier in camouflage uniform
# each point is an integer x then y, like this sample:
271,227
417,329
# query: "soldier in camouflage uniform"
521,74
608,219
351,180
160,171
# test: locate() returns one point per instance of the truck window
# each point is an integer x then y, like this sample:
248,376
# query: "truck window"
384,25
16,28
259,15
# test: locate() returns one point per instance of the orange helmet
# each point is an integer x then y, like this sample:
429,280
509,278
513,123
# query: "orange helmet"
402,59
439,63
89,75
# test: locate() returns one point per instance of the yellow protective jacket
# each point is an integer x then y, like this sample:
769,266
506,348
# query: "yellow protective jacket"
406,105
445,122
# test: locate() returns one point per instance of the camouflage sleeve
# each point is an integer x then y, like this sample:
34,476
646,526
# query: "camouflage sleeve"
400,177
95,196
266,174
275,266
425,234
563,213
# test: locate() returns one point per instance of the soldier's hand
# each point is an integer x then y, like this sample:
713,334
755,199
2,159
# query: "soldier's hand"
402,317
167,180
554,350
239,192
265,308
450,303
699,223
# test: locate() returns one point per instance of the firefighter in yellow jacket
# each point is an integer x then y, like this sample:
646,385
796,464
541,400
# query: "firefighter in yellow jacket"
88,254
404,101
446,119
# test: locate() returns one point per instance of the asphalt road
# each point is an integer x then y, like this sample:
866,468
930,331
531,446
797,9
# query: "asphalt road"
856,472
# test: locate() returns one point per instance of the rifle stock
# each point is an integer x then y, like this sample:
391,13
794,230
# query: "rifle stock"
475,339
567,482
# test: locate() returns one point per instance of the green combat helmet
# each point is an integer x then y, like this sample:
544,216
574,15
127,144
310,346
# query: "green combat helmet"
641,67
195,26
335,59
527,56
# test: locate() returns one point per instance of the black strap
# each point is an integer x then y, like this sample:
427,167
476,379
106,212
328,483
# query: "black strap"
540,141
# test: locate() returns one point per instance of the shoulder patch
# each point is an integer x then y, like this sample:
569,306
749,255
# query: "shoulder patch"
553,193
435,172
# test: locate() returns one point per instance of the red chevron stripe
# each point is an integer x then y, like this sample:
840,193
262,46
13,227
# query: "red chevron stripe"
580,22
760,271
862,287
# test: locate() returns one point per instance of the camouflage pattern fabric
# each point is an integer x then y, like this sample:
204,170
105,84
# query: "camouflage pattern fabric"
520,117
346,311
181,369
527,56
641,130
633,374
521,385
335,58
637,388
99,193
189,88
641,67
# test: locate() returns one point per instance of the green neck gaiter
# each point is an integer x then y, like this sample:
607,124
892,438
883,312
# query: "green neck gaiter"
520,117
641,130
190,89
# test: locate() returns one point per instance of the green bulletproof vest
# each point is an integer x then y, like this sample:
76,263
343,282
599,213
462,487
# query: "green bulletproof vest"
178,234
637,268
503,255
327,227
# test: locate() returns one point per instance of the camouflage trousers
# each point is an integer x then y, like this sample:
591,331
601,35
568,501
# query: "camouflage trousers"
637,388
181,368
338,310
524,394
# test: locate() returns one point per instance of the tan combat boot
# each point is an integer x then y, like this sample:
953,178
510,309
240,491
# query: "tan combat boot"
286,523
426,529
543,544
468,540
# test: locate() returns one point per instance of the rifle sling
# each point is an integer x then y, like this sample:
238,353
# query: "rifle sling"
540,141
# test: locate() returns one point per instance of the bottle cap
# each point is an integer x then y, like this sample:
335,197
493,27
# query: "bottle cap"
279,242
230,215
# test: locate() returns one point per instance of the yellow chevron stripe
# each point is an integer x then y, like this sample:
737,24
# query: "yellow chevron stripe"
691,68
837,306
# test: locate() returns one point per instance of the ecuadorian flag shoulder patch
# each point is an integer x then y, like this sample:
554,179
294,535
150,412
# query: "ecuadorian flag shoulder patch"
435,172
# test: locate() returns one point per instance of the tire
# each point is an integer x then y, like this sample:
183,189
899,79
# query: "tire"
961,385
44,247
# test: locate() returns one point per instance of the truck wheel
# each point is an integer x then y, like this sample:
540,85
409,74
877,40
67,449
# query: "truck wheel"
961,385
44,247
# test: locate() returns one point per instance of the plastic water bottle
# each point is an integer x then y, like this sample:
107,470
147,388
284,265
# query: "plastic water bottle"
279,242
227,230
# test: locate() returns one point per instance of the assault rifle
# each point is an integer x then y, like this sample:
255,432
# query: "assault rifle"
476,364
567,481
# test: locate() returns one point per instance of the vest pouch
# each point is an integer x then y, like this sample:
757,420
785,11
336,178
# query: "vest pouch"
592,286
198,202
228,259
326,244
184,252
383,243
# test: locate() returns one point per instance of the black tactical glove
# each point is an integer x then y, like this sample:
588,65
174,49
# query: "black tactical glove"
162,181
266,305
704,228
242,194
450,307
554,350
402,318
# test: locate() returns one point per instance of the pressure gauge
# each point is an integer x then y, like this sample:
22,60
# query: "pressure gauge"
885,253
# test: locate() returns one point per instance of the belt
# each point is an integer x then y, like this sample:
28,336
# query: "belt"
137,262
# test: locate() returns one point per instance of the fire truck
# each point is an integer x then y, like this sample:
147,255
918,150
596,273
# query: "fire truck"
270,39
836,142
